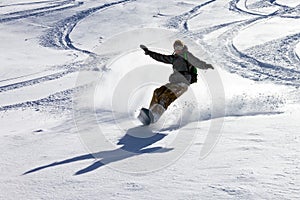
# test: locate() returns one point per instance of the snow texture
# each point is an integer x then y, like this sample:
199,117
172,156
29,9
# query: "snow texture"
72,81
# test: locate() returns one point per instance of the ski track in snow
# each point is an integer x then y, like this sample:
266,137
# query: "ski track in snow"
57,37
37,80
43,10
60,101
260,70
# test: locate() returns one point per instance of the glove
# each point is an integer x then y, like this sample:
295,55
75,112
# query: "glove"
145,49
209,66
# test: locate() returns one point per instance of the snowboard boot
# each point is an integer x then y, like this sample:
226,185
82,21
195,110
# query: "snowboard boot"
146,116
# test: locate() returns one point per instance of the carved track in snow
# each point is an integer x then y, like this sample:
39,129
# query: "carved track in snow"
50,7
58,37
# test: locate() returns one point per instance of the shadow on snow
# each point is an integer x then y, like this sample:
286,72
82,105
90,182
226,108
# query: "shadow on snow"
132,146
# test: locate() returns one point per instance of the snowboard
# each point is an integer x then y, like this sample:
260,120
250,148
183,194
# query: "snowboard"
146,116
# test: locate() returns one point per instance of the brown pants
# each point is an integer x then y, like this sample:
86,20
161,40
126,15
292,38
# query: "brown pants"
167,93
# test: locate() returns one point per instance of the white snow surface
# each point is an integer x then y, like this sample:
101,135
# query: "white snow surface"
73,79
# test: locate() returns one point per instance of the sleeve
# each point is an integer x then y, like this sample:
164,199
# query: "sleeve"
196,62
168,59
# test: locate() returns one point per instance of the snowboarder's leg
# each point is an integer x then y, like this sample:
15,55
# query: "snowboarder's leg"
156,95
174,91
164,96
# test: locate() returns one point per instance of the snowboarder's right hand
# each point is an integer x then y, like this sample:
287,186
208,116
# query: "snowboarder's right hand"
209,66
145,49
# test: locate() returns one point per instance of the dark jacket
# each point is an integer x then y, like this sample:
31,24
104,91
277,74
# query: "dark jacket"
181,65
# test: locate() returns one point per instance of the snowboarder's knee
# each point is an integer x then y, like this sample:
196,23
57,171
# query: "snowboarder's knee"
159,91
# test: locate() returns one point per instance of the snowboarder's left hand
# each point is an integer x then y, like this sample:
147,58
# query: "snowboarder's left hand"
145,49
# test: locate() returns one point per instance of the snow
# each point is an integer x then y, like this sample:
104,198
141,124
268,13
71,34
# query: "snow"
291,3
38,91
267,29
297,50
256,7
209,16
73,79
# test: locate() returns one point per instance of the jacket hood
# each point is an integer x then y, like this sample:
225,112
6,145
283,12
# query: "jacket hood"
185,48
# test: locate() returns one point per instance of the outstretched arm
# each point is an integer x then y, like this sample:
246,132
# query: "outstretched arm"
198,63
157,56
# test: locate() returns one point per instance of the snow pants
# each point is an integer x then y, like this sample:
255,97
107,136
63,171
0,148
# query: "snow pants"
165,95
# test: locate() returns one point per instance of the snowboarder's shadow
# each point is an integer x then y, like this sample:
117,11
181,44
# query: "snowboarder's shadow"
132,146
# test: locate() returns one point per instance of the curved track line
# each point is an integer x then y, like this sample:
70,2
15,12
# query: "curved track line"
36,80
23,76
282,11
38,11
284,46
233,6
25,12
250,67
59,36
24,4
60,101
182,19
274,72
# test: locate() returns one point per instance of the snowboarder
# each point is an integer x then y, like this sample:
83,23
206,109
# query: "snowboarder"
184,74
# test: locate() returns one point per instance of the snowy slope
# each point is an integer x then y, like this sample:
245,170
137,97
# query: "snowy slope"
73,79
